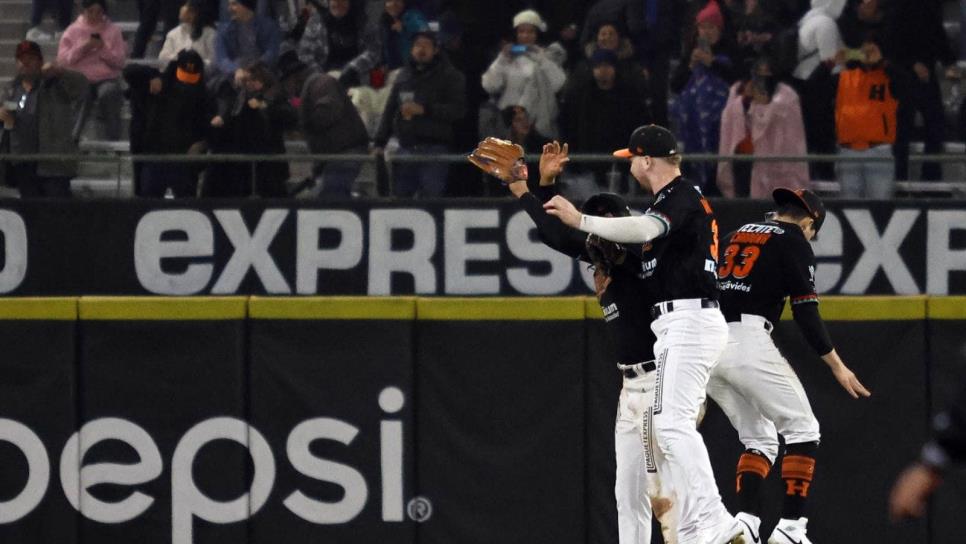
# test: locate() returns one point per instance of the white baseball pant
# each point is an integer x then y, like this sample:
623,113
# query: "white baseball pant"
638,487
689,343
759,391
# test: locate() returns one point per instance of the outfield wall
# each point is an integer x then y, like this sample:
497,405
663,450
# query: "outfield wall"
405,420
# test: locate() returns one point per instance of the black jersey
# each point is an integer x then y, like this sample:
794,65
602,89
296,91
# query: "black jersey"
683,262
761,264
625,302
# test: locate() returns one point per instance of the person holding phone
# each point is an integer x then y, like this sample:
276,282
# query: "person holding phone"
527,74
93,45
701,82
762,117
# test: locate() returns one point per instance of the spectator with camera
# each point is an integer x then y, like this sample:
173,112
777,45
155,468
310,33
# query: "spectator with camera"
527,74
762,117
38,115
328,121
93,45
867,100
701,82
427,99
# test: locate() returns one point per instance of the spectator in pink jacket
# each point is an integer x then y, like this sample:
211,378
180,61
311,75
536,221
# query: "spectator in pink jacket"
762,117
93,46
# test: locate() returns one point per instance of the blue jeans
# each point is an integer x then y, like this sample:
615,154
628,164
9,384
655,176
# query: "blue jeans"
426,178
336,177
867,179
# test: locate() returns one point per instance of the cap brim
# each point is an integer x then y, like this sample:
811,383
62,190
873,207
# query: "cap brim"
623,153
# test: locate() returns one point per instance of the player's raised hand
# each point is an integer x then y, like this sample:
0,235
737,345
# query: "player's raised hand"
849,382
562,209
552,161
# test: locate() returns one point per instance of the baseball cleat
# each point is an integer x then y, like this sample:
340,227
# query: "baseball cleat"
730,532
790,531
750,525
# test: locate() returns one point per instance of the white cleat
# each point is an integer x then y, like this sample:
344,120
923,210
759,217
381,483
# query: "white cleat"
750,525
729,533
790,531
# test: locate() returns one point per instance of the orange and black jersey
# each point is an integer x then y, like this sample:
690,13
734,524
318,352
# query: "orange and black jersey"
625,303
682,263
763,263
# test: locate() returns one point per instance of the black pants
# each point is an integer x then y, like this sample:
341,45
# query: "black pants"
60,8
30,185
148,13
926,98
157,177
817,95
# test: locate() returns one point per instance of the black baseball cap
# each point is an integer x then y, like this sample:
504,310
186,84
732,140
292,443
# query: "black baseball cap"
651,141
602,204
803,198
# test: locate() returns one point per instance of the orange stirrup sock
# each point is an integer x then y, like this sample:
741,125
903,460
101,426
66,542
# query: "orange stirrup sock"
753,467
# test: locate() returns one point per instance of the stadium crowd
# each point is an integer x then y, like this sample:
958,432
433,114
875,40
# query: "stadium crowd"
420,77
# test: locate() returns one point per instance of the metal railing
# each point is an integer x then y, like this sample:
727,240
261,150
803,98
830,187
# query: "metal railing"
120,157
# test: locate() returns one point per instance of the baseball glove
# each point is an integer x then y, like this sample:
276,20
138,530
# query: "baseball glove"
604,254
500,158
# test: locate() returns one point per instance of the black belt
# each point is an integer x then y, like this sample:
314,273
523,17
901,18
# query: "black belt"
764,322
638,370
662,308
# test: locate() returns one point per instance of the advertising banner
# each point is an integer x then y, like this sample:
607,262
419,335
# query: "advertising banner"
164,452
444,247
38,414
332,392
500,417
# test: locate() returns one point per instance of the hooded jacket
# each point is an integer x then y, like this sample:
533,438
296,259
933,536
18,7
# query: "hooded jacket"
329,120
441,89
101,65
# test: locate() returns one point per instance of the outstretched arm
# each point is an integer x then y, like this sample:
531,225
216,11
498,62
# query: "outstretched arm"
637,229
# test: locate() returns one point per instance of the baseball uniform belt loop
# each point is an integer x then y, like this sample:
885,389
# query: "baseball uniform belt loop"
637,370
668,306
757,321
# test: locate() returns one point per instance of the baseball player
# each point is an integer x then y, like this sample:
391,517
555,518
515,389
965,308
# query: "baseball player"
679,264
761,264
623,299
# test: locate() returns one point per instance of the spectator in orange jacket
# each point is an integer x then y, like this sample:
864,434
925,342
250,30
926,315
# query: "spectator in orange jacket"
865,122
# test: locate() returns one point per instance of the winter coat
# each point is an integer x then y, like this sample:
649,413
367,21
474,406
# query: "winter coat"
97,66
776,128
179,38
267,39
58,94
313,47
440,89
328,119
818,36
170,121
531,80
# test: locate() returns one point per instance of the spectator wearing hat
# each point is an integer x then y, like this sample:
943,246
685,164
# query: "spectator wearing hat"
93,45
193,33
526,74
762,117
169,113
612,36
701,82
427,99
654,28
38,112
245,39
328,120
598,111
